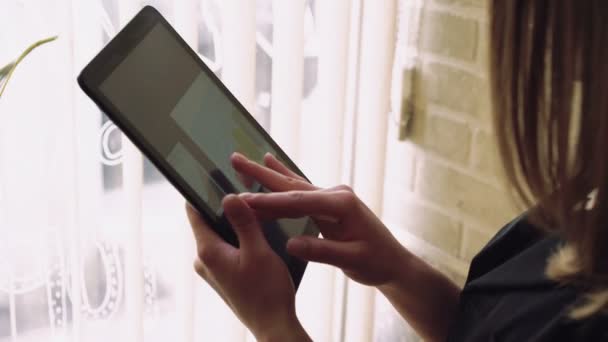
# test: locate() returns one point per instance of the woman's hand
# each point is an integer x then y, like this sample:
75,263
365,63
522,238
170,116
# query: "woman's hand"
355,240
252,279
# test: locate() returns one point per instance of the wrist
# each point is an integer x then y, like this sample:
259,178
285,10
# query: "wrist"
405,266
288,329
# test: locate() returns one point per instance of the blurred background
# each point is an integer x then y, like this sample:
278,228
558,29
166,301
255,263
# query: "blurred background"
387,96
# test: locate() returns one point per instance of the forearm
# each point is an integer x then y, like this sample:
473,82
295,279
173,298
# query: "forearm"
427,299
291,330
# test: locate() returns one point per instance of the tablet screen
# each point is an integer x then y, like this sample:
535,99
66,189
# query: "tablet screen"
165,94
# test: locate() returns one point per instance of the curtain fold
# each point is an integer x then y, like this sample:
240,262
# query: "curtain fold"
373,107
287,73
239,49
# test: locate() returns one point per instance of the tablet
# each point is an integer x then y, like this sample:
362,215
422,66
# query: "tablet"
158,91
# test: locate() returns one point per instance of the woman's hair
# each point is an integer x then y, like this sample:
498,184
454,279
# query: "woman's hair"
549,75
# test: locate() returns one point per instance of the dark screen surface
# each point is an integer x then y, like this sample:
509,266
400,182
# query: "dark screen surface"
161,94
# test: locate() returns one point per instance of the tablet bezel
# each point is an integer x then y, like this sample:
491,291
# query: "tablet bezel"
110,57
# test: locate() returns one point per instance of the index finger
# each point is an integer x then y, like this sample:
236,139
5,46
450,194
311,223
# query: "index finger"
273,163
334,205
269,178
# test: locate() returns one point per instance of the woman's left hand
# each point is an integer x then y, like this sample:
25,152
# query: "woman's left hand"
251,279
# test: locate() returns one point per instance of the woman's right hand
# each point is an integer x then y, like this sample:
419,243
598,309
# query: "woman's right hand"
354,239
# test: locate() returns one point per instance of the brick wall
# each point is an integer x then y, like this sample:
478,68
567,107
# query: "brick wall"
444,190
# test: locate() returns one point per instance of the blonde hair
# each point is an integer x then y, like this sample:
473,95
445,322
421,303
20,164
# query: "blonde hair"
549,74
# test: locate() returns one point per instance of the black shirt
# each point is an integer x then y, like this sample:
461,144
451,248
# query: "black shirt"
507,296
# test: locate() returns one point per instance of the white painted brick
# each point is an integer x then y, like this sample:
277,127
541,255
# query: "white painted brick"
484,106
447,138
446,193
453,88
449,35
460,192
425,223
400,161
486,158
475,3
483,51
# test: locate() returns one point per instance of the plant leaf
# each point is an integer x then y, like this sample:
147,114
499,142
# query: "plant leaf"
4,71
7,71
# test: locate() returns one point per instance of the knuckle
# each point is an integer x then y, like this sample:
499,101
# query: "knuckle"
201,253
295,196
297,182
357,255
348,198
264,254
199,269
344,187
206,256
291,182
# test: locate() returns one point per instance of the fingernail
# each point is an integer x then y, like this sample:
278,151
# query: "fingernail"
268,154
227,198
238,155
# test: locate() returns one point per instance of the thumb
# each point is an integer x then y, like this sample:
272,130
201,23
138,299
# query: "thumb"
245,224
337,253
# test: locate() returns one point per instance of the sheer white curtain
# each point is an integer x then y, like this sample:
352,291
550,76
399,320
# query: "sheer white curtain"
94,243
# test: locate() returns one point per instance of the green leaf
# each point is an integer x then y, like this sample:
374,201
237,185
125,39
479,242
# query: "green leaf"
4,71
7,71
